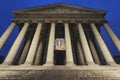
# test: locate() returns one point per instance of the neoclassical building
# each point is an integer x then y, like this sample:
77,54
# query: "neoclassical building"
60,35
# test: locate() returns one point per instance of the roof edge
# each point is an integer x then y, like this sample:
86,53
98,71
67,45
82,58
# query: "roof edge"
48,5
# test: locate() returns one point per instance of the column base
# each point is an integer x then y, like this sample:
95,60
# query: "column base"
70,64
26,64
112,64
6,63
48,64
91,63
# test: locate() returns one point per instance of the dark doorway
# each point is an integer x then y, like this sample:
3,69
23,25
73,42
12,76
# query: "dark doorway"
59,57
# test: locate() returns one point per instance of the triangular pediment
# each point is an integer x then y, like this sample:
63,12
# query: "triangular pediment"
59,8
59,12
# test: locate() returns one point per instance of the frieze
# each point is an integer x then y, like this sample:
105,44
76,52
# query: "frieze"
47,20
61,10
68,16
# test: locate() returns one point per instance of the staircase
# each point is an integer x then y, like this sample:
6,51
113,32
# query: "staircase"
59,73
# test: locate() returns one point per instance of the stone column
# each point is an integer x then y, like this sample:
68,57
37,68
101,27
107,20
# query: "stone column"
26,48
6,34
50,51
103,46
33,47
113,36
92,48
80,53
12,53
85,46
38,54
69,54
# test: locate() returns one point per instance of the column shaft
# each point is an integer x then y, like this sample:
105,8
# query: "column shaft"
6,34
10,57
113,36
38,54
80,53
93,50
50,51
85,46
102,45
26,48
69,54
33,47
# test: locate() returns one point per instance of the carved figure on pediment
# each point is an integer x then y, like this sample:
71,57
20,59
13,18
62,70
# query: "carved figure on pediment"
61,10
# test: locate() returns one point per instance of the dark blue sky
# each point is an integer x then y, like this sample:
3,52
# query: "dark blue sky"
111,6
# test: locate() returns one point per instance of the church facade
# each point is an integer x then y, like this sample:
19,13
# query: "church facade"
60,36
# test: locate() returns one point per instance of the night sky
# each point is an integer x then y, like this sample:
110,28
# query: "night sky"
111,6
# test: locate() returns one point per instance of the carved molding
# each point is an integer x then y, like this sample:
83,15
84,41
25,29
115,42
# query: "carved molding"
46,20
61,13
61,16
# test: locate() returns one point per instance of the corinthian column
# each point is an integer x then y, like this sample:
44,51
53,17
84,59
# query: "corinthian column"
12,53
33,47
113,36
50,51
85,46
69,54
6,34
103,46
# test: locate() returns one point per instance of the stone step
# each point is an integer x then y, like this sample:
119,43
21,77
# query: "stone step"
108,74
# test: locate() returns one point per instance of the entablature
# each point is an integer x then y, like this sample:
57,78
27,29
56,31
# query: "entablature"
48,20
63,16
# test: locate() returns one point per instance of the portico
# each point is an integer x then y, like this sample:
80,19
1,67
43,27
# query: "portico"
73,28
